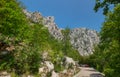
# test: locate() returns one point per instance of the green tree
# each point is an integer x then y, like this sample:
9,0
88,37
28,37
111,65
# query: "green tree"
66,40
16,31
107,53
67,48
105,4
12,20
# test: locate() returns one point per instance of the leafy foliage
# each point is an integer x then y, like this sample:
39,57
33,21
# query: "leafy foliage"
29,41
15,31
67,49
106,57
12,19
105,5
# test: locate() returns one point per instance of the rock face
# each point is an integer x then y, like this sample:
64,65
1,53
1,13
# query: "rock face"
47,22
52,27
84,40
81,39
35,16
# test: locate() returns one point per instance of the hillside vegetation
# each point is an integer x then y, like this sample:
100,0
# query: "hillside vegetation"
106,57
22,42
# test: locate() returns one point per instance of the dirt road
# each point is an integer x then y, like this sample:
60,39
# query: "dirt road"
88,72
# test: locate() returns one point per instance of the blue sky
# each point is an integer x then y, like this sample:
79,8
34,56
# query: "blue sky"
71,13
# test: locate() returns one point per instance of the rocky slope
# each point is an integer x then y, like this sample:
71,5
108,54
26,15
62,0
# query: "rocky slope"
82,39
52,27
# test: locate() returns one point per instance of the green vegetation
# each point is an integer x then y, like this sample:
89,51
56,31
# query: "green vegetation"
105,4
106,57
68,50
12,19
28,42
15,31
25,43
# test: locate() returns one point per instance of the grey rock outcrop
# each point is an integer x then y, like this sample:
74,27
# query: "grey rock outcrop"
4,74
34,16
82,39
52,27
46,21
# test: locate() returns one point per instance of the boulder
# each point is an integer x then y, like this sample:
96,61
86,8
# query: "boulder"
43,71
54,74
4,74
69,61
49,65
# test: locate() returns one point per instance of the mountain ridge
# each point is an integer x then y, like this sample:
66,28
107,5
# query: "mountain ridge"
82,39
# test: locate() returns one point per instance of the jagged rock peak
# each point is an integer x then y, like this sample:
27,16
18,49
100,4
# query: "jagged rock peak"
52,27
84,40
34,16
46,21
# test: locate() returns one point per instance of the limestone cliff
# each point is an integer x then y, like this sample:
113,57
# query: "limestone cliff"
82,39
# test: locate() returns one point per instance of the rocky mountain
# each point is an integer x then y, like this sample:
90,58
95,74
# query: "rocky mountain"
82,39
52,27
